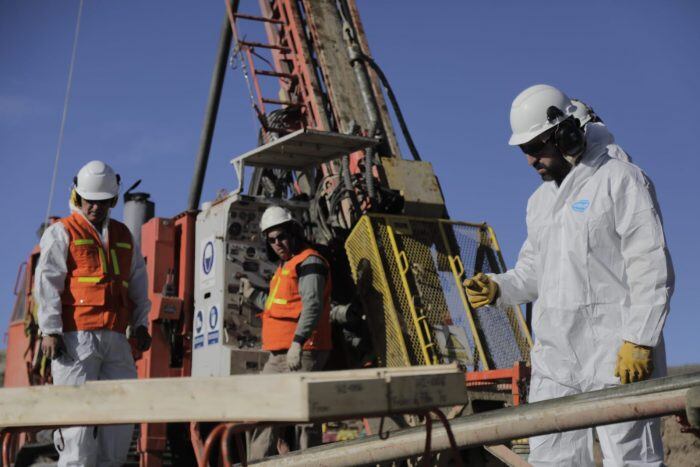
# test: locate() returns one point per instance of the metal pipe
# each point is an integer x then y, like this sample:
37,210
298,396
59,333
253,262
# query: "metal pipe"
652,386
612,405
138,210
363,80
217,82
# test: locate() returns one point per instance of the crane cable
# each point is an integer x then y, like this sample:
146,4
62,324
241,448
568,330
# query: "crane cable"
65,113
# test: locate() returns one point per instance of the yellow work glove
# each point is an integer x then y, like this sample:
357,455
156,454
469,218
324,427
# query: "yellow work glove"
481,290
634,363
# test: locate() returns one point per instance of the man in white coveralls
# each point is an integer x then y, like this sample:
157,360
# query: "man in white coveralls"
596,265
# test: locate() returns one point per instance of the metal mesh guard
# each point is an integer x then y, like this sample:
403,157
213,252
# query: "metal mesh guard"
410,280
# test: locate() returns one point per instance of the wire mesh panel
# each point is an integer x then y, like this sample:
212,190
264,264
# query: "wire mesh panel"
374,286
414,334
417,268
504,336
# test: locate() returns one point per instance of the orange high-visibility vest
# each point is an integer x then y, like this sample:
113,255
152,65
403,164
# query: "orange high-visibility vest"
283,308
96,292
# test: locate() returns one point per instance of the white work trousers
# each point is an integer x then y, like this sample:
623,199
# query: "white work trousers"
636,443
92,356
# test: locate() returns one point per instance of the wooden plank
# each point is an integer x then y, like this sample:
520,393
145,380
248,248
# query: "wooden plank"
290,397
508,457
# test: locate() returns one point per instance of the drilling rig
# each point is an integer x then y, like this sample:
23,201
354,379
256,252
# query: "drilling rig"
329,151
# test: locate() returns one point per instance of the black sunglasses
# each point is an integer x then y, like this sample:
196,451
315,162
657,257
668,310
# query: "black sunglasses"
537,144
101,202
278,239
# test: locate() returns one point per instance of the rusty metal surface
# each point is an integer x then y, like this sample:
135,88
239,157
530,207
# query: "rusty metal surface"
418,185
339,78
376,87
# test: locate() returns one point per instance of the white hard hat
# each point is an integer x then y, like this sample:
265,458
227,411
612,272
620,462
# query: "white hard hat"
530,115
274,216
97,181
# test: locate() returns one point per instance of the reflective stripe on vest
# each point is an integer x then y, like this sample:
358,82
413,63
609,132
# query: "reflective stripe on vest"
115,262
90,280
272,298
103,259
84,241
284,305
96,295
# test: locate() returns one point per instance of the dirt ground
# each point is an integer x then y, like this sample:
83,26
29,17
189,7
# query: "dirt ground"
680,449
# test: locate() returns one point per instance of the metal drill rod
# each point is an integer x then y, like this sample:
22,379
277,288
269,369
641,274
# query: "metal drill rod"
217,82
623,403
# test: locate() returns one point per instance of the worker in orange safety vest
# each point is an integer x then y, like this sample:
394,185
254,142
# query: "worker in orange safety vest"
91,284
296,327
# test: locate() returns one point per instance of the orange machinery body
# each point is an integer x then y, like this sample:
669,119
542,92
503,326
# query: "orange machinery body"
20,349
21,367
168,248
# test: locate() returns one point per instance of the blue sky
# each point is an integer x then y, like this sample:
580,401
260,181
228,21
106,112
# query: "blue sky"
142,77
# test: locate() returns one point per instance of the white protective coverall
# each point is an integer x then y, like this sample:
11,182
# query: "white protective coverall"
596,265
599,132
89,355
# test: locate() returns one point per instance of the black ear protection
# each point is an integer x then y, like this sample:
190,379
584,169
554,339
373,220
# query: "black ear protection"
568,135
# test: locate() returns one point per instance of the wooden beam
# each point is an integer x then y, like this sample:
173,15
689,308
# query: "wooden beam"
289,397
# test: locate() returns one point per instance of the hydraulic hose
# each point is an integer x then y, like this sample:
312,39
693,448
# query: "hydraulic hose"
394,103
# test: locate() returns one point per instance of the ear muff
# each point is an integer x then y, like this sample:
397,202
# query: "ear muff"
75,198
570,138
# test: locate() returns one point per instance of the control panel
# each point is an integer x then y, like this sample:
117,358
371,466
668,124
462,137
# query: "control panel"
226,328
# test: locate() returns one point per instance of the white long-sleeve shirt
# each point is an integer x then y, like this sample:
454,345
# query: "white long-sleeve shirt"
51,271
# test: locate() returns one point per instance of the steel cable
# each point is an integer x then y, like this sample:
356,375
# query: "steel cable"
66,100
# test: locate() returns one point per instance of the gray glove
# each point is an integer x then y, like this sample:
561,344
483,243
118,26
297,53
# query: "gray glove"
294,356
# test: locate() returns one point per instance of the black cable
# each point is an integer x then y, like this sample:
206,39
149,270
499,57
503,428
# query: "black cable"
369,163
394,104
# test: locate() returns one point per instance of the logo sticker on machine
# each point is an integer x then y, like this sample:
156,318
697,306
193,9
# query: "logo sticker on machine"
198,329
213,334
207,277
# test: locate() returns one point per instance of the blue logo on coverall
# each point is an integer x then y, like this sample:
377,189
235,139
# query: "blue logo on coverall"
208,257
580,205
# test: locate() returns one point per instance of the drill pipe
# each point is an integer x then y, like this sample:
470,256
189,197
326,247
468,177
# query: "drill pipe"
623,403
215,87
